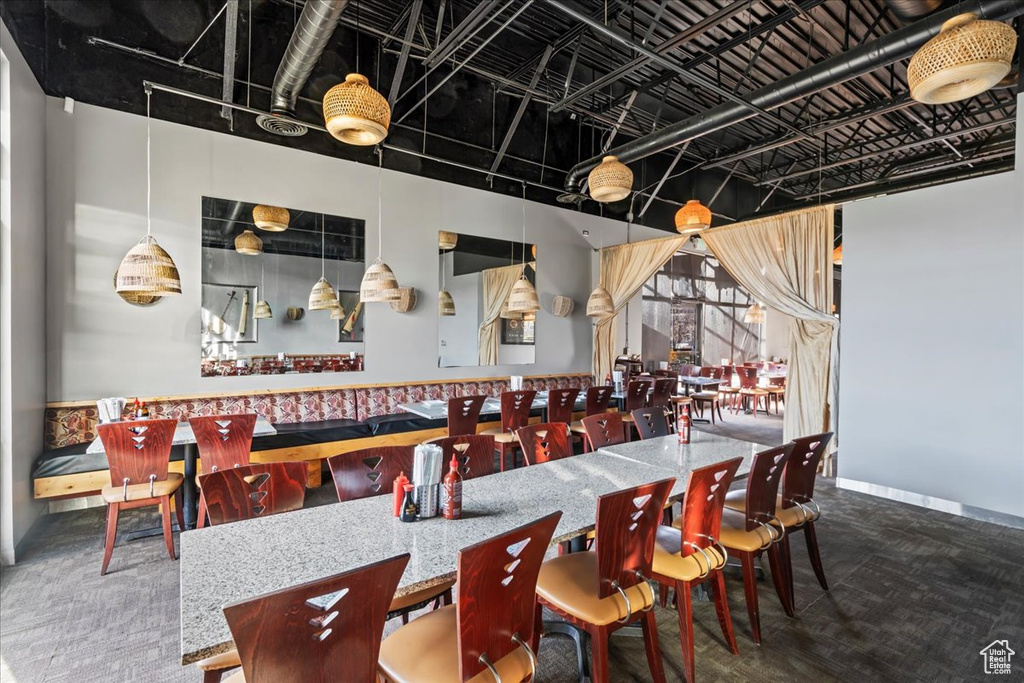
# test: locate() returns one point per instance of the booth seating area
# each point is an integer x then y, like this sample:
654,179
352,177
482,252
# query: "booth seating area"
312,425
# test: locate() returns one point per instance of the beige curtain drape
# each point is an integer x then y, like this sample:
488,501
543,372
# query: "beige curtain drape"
785,262
624,270
498,284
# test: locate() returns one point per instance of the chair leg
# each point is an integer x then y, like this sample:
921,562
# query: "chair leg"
713,405
750,592
718,404
165,516
108,541
538,626
777,563
179,509
684,607
213,675
811,536
652,647
599,652
722,609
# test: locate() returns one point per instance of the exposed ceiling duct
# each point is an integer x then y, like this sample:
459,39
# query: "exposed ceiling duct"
314,28
909,11
900,44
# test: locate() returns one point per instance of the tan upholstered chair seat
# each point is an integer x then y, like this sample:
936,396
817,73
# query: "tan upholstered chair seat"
426,649
116,494
627,417
706,395
794,516
422,595
226,660
735,535
754,392
500,436
576,427
668,562
570,583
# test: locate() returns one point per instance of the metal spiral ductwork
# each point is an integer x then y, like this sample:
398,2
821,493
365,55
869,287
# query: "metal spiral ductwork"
314,28
912,10
900,44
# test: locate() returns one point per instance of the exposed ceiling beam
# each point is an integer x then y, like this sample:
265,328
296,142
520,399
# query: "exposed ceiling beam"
664,177
230,54
403,57
518,116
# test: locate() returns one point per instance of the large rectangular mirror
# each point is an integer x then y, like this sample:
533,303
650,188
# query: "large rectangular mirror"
259,265
475,278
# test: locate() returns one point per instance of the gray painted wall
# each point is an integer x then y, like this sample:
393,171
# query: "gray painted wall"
99,346
22,303
932,370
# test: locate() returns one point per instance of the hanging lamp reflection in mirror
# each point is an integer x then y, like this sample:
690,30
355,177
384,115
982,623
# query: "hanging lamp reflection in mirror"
379,283
322,296
355,113
249,243
523,298
262,310
445,241
147,270
337,310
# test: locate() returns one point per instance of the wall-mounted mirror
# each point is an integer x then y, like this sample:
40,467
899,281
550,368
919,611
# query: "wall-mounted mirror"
475,279
259,264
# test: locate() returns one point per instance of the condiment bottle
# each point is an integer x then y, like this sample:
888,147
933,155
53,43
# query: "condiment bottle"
409,509
398,492
451,499
144,414
136,410
683,426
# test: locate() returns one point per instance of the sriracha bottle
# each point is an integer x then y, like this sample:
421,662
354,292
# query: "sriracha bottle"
451,499
683,426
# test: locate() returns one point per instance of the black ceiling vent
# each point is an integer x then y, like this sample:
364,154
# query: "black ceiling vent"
279,126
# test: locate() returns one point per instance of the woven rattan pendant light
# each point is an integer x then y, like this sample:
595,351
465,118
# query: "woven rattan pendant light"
599,303
148,270
379,282
755,315
322,296
337,310
968,57
610,181
446,240
249,243
355,113
262,310
271,218
692,218
523,298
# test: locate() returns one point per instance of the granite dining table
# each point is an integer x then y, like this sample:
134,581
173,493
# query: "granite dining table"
223,564
438,409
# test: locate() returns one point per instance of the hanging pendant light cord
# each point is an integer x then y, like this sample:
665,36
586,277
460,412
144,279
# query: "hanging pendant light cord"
323,245
149,181
380,211
524,229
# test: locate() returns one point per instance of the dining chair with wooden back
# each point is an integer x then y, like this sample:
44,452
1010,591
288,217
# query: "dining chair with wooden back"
776,391
474,453
515,414
636,398
708,394
689,370
601,591
325,630
603,430
250,491
491,628
749,391
691,554
597,401
544,442
561,405
138,454
464,414
223,441
726,391
664,388
650,423
749,533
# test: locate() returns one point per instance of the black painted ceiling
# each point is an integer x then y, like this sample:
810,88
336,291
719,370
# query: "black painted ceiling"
100,51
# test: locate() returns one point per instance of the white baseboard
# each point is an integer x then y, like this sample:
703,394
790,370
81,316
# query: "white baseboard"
932,503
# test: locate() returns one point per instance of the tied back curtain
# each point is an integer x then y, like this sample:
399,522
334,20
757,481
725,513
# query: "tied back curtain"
785,261
498,283
624,270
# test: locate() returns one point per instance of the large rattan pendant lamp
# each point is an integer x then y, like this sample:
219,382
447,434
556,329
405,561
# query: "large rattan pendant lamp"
600,303
692,218
355,113
147,270
262,310
610,181
523,298
379,282
966,58
322,296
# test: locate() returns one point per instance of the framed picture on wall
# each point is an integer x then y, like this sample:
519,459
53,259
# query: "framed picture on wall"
519,332
227,313
351,328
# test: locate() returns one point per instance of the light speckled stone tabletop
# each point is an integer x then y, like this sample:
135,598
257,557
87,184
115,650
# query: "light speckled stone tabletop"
183,434
223,564
438,410
704,449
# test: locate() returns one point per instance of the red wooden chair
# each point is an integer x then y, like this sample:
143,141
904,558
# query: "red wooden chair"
757,529
138,454
708,394
596,402
249,491
749,389
650,423
371,472
224,441
561,405
493,626
464,414
603,430
603,590
515,413
544,442
636,398
662,394
475,453
777,391
691,554
319,631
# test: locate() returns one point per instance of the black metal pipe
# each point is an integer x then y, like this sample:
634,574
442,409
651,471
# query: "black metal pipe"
900,44
314,28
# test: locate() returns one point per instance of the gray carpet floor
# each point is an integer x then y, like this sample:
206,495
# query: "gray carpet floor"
915,595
